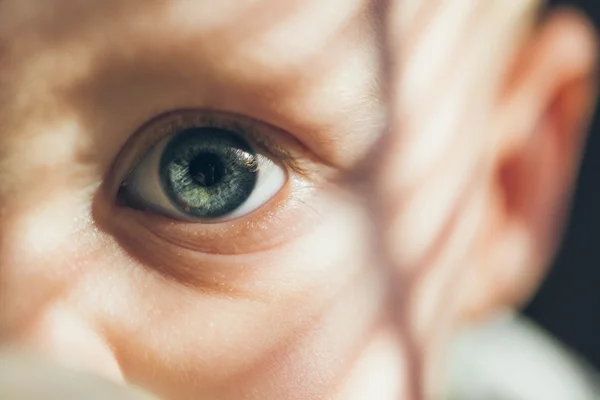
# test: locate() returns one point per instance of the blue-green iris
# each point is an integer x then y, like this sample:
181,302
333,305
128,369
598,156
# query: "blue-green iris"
208,172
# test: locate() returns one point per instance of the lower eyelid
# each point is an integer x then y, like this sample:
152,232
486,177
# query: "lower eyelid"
283,218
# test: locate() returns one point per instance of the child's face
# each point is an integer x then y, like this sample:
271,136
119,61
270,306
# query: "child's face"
189,197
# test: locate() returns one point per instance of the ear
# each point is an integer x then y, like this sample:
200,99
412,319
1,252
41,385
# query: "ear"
542,117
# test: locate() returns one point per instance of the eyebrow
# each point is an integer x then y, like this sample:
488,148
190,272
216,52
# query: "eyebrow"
320,83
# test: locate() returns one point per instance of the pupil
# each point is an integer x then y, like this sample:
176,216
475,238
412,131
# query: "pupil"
206,169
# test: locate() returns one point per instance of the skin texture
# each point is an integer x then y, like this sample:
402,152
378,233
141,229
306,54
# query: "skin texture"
427,182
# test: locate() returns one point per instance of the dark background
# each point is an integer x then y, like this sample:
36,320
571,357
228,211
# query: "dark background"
569,302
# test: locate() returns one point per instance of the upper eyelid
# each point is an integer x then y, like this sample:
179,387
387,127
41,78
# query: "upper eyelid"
169,123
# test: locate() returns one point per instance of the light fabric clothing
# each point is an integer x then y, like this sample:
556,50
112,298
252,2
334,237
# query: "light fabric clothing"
510,358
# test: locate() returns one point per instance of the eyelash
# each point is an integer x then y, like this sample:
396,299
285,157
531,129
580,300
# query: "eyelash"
175,121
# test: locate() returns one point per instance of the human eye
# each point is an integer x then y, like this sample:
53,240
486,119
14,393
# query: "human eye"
205,167
212,182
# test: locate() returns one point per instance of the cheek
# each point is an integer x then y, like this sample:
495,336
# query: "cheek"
300,314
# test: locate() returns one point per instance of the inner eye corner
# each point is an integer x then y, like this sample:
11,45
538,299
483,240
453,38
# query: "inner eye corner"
123,199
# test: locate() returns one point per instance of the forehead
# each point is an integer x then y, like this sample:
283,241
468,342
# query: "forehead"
316,59
276,25
259,31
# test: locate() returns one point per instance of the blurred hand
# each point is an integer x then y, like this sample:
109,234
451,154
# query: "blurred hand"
24,378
